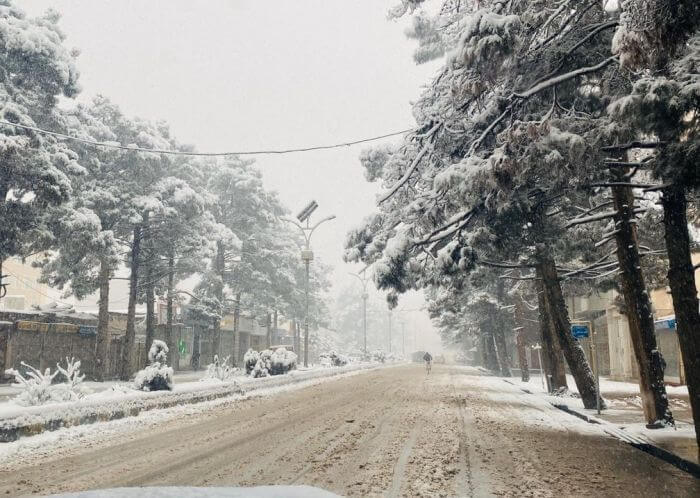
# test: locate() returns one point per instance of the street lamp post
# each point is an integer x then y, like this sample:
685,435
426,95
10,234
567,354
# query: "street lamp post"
363,280
307,256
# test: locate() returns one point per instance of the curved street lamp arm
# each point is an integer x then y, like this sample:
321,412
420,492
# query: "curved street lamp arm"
363,281
327,218
289,220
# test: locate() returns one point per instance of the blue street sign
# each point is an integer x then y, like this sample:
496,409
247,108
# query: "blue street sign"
665,324
87,330
579,330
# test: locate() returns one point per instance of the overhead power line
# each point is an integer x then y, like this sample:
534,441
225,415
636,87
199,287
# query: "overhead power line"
117,145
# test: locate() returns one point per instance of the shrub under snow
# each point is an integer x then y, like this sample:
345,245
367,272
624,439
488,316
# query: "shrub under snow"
220,370
282,361
157,376
270,362
250,359
39,388
333,359
378,356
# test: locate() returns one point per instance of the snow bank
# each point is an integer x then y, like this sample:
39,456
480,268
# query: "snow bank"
121,401
38,388
220,370
333,359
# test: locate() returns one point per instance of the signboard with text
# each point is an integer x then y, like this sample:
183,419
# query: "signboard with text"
580,330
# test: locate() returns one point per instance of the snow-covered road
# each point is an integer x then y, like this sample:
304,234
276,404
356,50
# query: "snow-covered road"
388,432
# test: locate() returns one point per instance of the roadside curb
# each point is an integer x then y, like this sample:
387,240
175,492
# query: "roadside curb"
74,414
637,442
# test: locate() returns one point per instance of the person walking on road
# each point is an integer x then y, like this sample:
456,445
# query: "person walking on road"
427,357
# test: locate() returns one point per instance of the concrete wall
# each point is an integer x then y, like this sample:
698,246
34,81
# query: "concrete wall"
668,346
623,365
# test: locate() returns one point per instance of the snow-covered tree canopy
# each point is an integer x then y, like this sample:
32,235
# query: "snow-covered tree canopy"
508,140
35,70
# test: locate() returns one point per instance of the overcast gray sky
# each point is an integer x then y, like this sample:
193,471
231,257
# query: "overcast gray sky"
244,74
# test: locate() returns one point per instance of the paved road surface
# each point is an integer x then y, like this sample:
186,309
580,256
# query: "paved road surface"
391,432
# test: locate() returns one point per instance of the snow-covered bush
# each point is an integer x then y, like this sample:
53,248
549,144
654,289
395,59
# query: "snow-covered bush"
263,365
73,386
39,388
282,361
378,356
270,362
36,386
157,376
220,369
250,359
333,359
392,357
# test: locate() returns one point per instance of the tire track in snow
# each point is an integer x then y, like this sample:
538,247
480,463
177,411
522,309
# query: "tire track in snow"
400,467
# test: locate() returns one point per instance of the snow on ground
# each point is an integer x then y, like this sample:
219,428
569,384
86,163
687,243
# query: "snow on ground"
216,492
393,432
27,449
625,413
532,411
123,397
607,386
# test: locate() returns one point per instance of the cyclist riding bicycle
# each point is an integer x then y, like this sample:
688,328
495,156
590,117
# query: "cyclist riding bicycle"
428,361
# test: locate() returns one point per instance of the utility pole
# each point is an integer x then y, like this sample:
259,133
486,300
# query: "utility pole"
307,256
362,277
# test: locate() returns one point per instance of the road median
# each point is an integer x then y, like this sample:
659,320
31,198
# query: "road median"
19,421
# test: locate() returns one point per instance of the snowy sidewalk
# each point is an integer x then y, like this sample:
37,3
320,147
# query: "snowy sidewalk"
113,400
8,391
624,413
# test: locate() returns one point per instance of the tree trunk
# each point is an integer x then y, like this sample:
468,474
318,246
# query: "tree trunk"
681,278
274,323
482,351
268,335
150,313
573,352
499,333
639,312
219,294
103,335
501,349
552,358
131,309
169,338
236,327
522,355
521,343
491,355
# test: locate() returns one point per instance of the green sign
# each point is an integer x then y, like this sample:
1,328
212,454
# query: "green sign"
182,347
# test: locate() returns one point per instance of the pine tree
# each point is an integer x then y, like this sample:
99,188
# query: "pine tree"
660,38
35,71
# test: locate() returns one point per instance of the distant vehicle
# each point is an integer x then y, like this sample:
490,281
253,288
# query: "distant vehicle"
417,357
